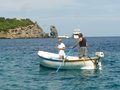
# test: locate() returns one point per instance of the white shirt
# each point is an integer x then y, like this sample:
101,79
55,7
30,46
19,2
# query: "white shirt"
61,52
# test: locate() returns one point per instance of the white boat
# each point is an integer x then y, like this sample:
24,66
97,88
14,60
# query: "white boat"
64,36
51,60
76,32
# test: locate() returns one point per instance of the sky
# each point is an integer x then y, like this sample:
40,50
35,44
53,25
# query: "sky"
92,17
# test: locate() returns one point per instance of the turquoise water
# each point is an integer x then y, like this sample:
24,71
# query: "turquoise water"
20,66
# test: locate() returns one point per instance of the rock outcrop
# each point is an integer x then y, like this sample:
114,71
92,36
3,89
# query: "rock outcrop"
53,32
30,31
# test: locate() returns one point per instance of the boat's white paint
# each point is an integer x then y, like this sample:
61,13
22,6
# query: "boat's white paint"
52,60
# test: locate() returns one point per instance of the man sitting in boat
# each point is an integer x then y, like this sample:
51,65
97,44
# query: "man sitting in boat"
81,41
61,48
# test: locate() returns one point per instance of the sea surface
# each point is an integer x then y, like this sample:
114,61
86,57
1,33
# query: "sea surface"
20,66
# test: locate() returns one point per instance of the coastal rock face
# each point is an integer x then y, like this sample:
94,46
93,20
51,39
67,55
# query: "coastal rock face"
53,32
30,31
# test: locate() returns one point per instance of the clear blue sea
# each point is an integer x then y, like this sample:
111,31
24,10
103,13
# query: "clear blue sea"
20,66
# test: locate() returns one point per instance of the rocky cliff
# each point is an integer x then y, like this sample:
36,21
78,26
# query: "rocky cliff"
53,32
30,31
20,28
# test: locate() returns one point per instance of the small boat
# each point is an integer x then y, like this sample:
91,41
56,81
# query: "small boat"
51,60
64,36
76,32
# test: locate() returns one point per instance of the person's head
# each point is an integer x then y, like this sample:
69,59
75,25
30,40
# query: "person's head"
59,40
80,35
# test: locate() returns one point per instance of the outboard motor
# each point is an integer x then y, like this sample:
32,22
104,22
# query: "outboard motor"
100,55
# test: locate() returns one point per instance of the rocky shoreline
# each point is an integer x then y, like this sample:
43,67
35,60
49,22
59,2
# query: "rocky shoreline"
23,28
30,31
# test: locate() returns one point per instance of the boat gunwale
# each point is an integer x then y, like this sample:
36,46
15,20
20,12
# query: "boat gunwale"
66,60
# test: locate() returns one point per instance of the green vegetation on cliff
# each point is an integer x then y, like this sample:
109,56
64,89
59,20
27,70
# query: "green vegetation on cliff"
7,23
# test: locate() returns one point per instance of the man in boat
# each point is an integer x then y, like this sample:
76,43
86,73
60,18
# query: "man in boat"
81,41
61,48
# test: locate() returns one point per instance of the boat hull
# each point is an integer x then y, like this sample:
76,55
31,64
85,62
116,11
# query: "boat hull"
51,60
